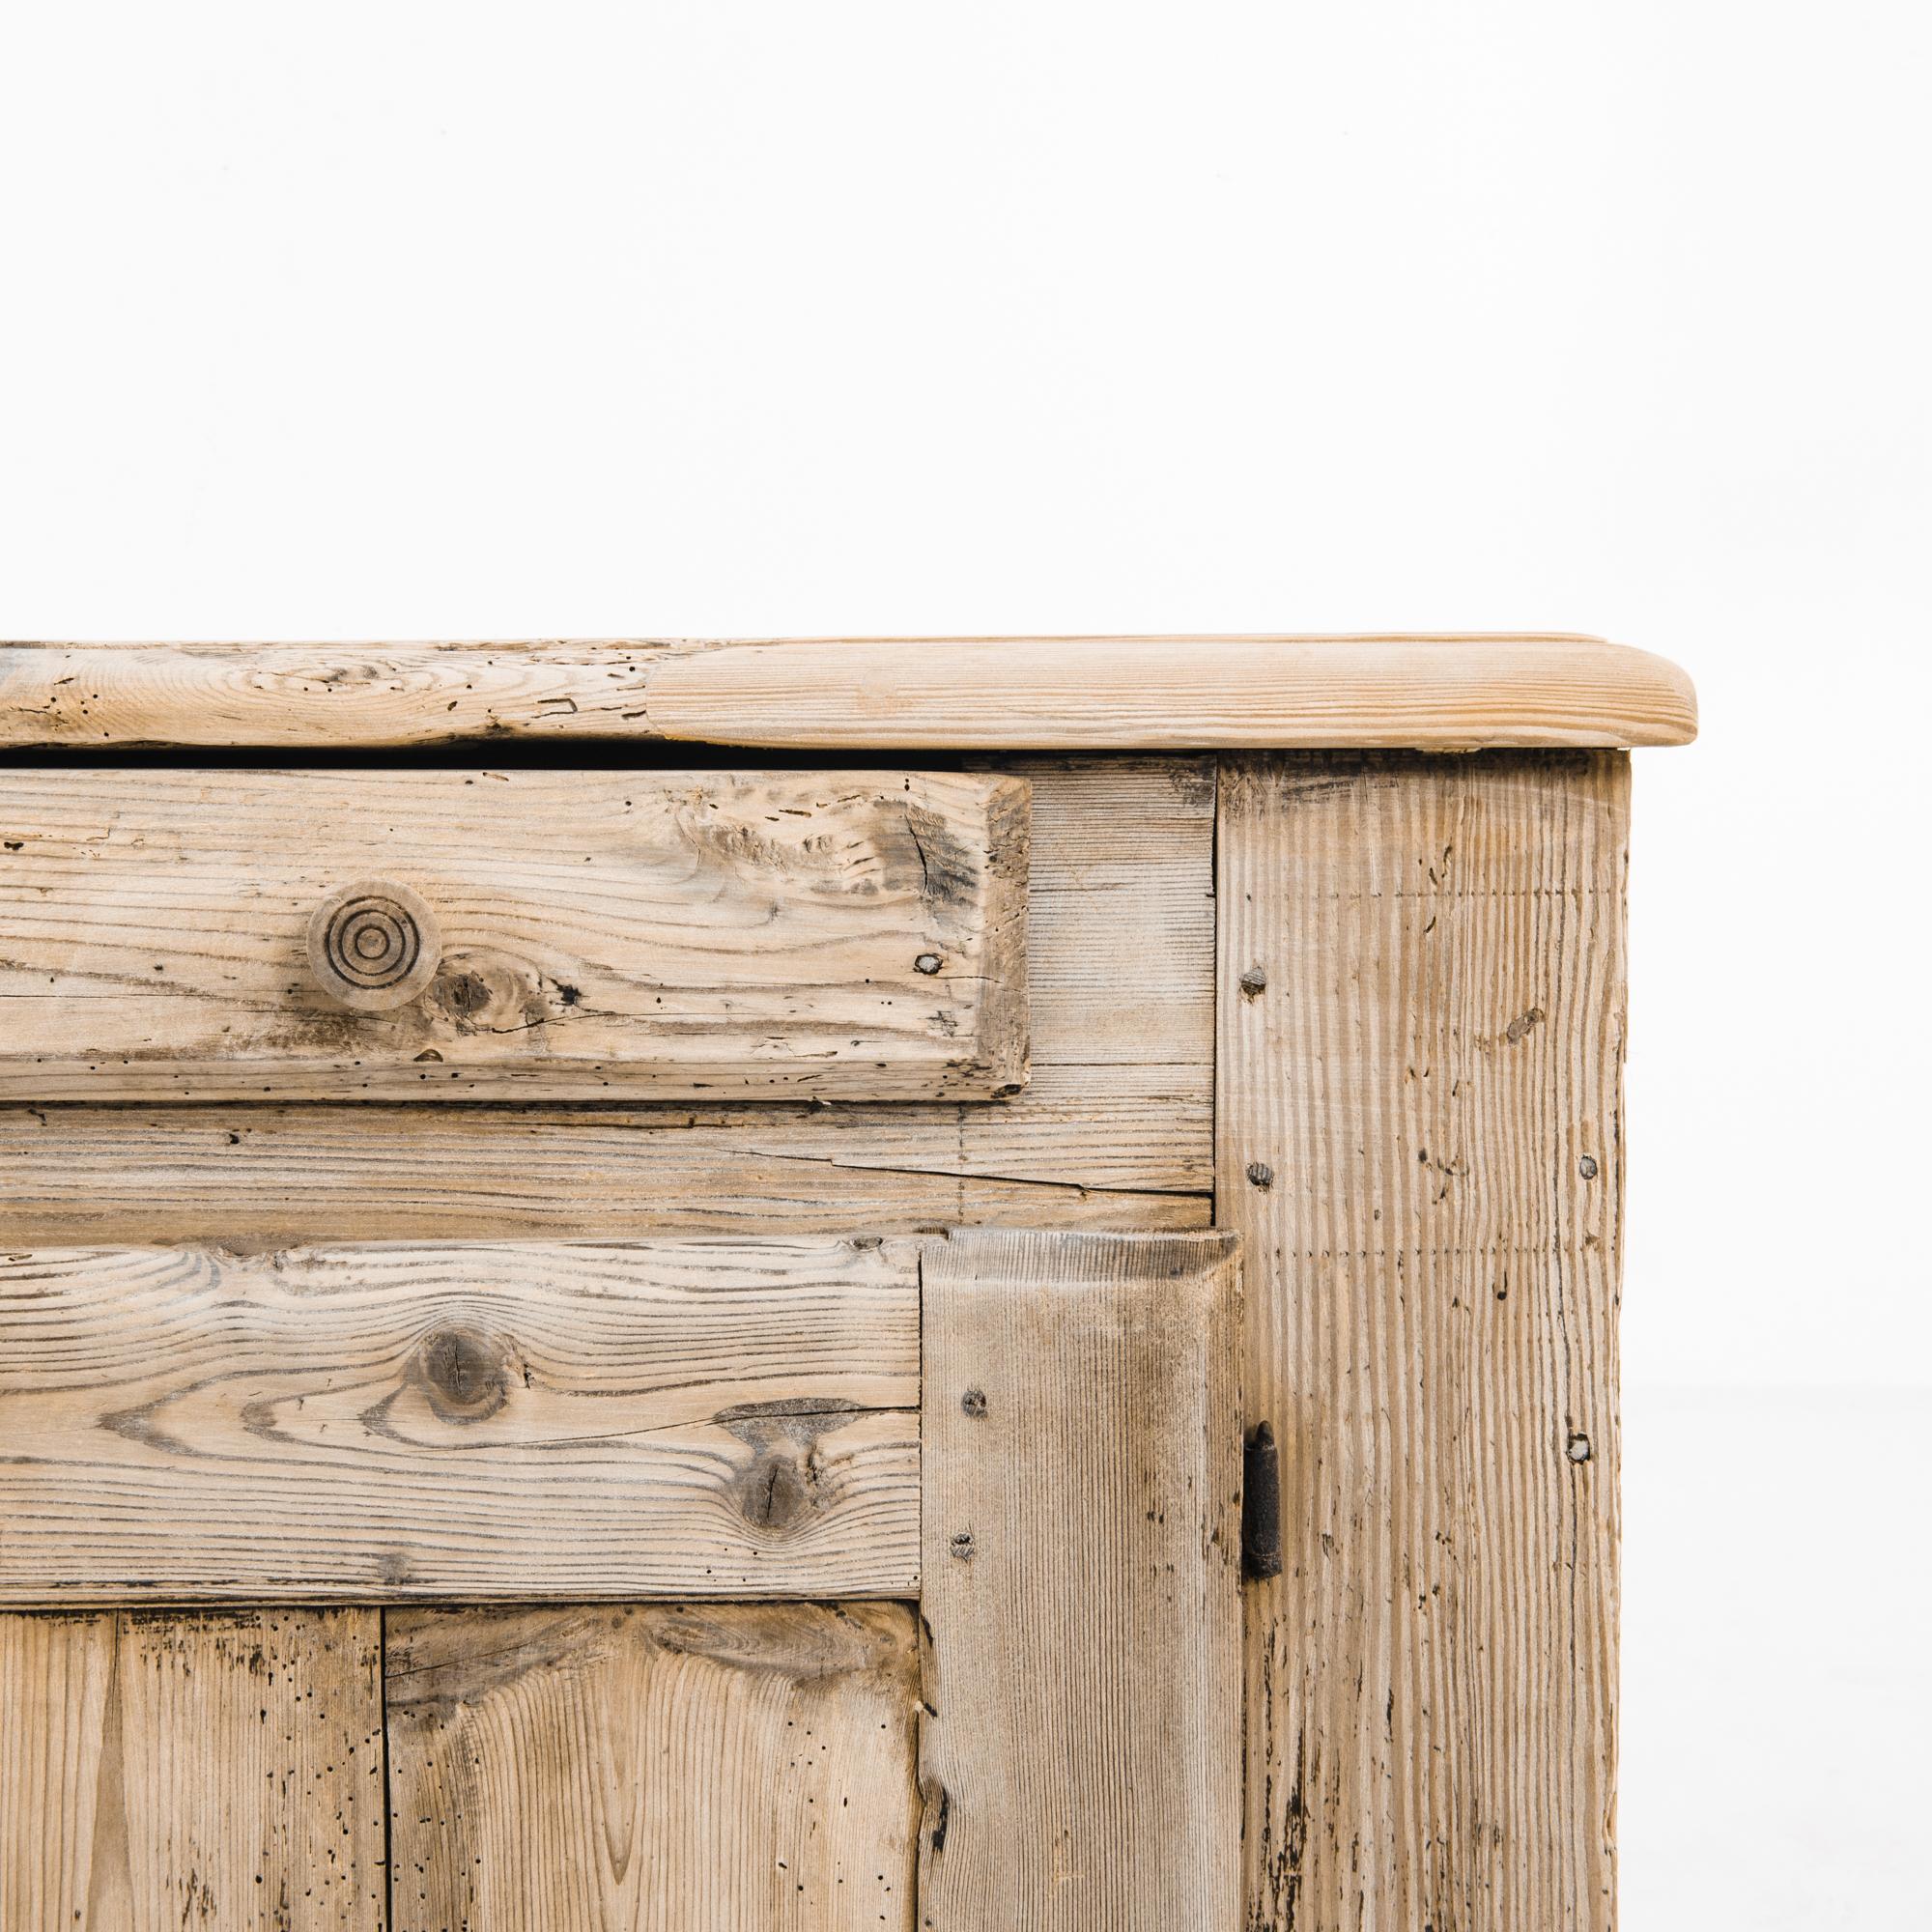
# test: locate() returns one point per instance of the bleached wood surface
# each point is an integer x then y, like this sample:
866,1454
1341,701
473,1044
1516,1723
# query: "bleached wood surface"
468,1421
1443,692
1081,1763
1114,1130
599,935
1420,1136
210,1770
662,1768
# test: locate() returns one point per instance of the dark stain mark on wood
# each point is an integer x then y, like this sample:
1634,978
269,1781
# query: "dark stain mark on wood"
949,868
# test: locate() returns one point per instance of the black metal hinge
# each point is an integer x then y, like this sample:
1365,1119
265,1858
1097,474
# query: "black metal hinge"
1261,1503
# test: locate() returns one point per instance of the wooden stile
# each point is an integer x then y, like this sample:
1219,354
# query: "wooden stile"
220,1770
1422,990
1082,1432
677,1768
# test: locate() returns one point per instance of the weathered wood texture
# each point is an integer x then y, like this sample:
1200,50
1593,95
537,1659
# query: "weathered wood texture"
1422,992
479,1421
733,1768
1115,1130
1449,692
604,934
1081,1765
160,1771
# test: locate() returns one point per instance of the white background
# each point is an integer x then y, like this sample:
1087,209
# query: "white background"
412,321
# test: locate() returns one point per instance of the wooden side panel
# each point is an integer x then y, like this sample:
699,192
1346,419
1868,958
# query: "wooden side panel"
224,1770
1115,1130
482,1420
550,935
1422,1012
730,1768
1081,1762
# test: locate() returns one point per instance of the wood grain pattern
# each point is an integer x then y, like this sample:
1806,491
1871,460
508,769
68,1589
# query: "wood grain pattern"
683,1768
160,1771
472,1421
1422,988
1114,1130
679,936
1081,1763
1446,692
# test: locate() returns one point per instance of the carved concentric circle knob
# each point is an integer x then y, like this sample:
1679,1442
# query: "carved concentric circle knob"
374,946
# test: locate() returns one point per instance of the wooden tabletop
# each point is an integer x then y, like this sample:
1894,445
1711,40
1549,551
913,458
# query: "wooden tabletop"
1448,693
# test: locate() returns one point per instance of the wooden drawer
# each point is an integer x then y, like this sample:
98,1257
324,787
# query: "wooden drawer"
412,934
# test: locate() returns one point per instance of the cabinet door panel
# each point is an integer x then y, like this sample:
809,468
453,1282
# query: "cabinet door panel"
675,1768
221,1769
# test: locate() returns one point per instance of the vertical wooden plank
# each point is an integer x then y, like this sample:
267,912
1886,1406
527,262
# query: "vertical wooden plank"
1081,1530
54,1678
1421,990
163,1771
669,1768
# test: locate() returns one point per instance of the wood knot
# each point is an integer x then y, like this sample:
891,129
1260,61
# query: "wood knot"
464,1376
781,1488
776,1492
464,995
374,946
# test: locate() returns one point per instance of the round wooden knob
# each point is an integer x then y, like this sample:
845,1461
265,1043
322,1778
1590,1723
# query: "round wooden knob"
374,946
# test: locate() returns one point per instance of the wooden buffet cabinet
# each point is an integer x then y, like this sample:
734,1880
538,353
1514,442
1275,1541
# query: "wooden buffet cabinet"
947,1283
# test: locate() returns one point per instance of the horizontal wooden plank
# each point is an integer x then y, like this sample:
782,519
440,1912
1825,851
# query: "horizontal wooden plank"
471,1420
596,934
1436,693
677,1768
277,1176
206,1770
1115,1129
